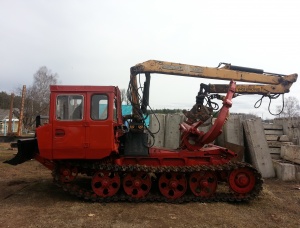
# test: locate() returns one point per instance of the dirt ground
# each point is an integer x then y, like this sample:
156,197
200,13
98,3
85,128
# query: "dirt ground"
28,198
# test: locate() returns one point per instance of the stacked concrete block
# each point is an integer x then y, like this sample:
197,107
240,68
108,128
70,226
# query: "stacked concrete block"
285,154
291,153
291,128
284,171
258,147
273,129
287,168
274,132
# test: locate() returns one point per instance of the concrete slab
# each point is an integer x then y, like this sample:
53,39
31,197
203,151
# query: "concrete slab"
291,153
157,126
297,169
258,147
206,125
232,136
284,171
233,130
239,150
172,133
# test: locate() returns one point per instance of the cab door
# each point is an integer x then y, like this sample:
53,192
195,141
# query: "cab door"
100,132
69,126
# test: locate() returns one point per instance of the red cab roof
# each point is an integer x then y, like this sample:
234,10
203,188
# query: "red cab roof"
85,88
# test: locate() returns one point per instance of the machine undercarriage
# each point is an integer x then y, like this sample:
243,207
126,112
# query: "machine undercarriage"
105,182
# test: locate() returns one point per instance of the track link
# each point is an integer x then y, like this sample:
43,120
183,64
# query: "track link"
155,196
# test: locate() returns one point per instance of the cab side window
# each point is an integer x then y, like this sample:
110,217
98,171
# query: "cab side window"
69,107
99,107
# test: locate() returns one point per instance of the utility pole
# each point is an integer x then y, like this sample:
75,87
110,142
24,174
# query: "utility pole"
9,132
22,111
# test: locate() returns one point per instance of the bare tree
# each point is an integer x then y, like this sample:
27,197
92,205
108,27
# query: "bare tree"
38,95
291,107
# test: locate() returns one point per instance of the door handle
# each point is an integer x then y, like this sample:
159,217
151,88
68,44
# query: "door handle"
59,132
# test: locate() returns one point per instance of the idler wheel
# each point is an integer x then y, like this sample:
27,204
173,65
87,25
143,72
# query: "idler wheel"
67,173
242,180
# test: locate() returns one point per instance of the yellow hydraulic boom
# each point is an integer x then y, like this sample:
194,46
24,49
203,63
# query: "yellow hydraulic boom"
263,83
270,83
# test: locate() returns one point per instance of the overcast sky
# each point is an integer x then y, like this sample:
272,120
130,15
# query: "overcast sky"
96,42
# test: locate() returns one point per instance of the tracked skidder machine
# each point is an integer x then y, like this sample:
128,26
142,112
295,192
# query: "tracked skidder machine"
96,153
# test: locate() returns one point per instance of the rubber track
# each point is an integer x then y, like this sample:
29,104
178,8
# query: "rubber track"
88,194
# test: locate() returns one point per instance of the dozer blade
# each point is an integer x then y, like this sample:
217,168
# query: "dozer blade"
27,149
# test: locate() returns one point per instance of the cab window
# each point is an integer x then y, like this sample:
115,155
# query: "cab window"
99,107
69,107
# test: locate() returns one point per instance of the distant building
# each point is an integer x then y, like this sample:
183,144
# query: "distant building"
4,121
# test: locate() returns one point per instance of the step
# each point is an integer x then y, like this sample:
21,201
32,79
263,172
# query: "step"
273,132
276,144
272,127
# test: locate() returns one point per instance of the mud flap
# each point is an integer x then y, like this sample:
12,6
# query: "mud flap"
27,149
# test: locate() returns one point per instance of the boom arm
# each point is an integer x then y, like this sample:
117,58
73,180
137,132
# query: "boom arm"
270,83
265,83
